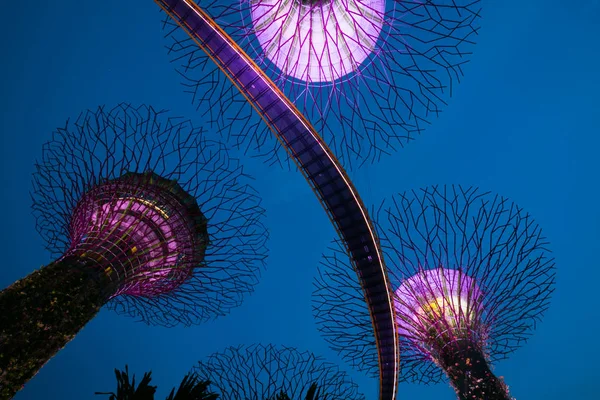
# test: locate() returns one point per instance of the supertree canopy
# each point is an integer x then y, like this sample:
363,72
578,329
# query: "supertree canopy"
142,214
471,275
368,74
268,372
316,40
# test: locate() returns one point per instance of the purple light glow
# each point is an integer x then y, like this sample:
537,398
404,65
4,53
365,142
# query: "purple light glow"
149,232
318,40
443,299
137,233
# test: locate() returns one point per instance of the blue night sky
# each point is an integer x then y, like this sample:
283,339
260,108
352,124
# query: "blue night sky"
521,124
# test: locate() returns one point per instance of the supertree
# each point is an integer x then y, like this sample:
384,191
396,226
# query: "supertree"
268,372
471,276
368,74
143,215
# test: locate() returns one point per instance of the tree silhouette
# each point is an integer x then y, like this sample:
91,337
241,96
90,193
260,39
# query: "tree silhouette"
190,388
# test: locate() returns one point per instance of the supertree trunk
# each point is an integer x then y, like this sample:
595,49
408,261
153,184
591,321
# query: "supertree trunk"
470,374
42,312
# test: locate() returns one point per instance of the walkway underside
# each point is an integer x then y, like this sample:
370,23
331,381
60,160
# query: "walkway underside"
320,168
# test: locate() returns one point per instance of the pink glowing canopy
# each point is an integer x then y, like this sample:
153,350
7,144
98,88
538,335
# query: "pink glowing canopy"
139,229
439,293
317,40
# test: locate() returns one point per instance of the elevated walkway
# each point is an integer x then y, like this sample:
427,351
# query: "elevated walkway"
320,168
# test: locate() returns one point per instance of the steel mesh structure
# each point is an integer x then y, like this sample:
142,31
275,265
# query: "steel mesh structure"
368,74
263,372
143,214
472,276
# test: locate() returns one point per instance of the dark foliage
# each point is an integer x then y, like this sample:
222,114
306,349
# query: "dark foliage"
190,388
127,390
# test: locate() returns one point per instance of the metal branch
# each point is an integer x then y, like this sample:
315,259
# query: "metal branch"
259,372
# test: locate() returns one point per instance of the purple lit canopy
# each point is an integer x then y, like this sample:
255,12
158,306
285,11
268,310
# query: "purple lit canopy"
440,299
143,230
370,75
317,40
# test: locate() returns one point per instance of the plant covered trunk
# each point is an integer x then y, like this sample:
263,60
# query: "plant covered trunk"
470,373
42,312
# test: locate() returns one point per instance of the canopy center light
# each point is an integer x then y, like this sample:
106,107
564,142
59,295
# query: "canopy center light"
317,40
